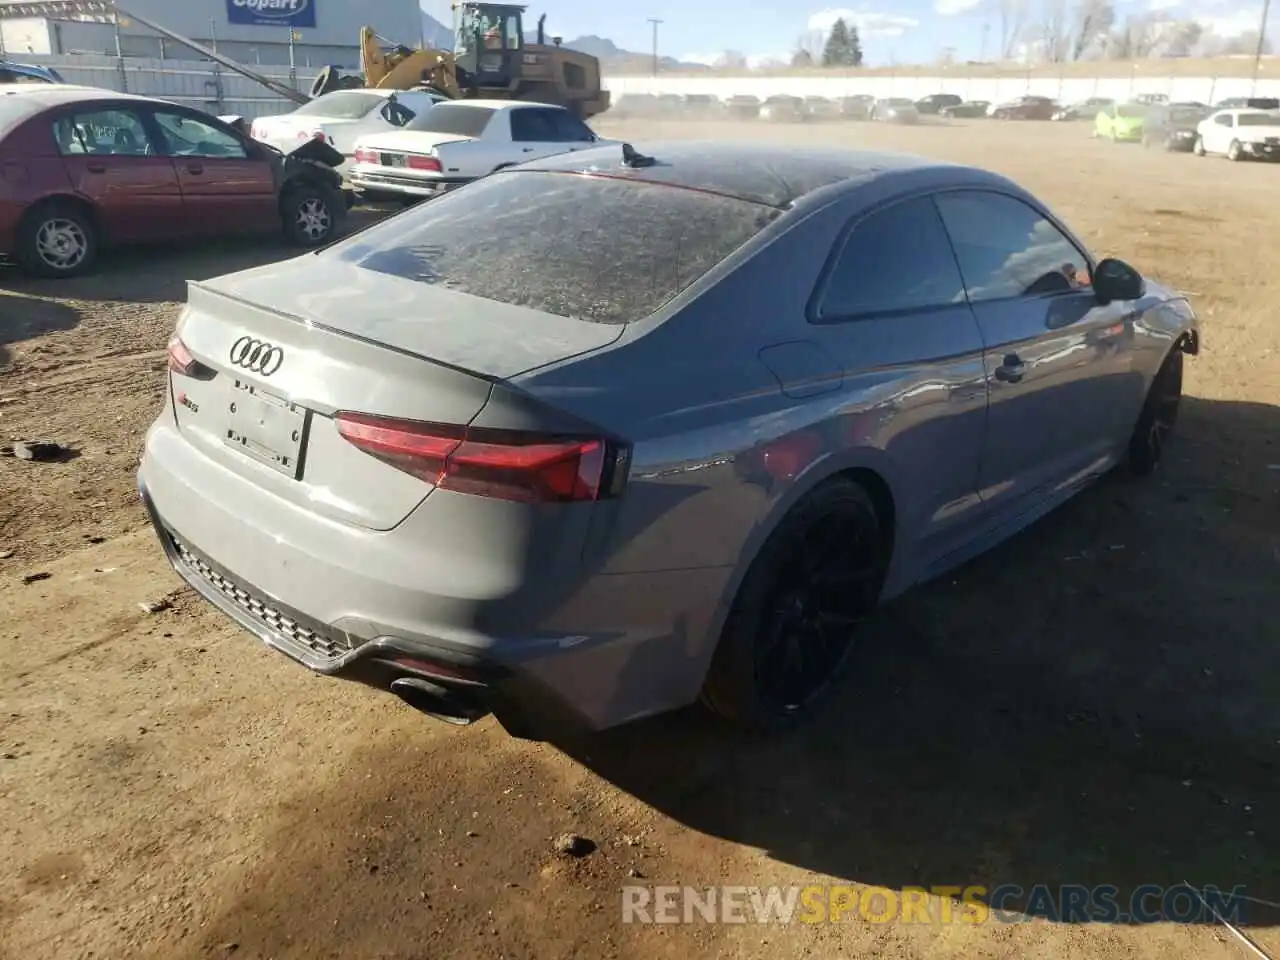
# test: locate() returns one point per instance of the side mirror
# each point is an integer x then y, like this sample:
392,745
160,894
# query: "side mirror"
1116,280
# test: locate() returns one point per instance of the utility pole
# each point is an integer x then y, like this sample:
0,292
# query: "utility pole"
986,30
654,22
1262,42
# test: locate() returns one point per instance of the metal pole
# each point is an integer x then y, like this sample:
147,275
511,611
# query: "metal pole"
213,35
124,78
654,21
1262,41
293,63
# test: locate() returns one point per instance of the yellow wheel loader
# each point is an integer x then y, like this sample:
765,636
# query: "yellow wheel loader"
490,60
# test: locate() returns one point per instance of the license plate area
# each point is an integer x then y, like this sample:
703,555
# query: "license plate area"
266,427
394,160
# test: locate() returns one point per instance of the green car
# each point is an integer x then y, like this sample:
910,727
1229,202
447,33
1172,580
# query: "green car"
1120,122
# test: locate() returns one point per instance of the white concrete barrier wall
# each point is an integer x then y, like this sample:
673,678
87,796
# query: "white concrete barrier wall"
1066,89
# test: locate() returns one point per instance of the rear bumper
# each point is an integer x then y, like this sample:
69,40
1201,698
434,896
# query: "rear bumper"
382,183
1267,151
523,705
582,650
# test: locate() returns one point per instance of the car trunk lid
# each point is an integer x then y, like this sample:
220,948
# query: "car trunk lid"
282,349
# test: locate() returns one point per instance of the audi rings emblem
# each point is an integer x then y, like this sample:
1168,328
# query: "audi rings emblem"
257,356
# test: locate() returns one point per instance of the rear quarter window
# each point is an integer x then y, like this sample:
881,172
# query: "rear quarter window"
595,249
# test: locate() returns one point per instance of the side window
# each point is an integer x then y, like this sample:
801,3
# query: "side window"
187,136
1223,120
569,128
1007,248
102,133
530,125
895,259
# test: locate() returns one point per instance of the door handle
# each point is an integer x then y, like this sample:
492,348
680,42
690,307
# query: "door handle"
96,167
1011,370
195,168
527,150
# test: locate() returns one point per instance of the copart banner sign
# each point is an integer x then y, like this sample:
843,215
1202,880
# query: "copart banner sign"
272,13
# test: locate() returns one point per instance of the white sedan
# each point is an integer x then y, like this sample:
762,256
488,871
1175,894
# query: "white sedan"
1240,135
342,117
460,141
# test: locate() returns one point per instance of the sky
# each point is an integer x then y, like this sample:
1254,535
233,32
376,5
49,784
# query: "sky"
893,31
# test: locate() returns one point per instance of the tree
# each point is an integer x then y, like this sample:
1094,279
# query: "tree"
802,58
1013,21
1093,22
731,60
843,47
1055,35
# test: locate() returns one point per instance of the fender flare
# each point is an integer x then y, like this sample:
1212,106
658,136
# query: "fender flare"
869,459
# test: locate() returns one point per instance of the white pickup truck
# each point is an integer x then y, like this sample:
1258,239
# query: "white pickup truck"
459,141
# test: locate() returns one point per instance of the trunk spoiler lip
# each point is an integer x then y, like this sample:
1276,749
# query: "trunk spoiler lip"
206,289
509,381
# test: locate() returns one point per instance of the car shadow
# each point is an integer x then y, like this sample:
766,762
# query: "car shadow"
26,317
1095,702
153,274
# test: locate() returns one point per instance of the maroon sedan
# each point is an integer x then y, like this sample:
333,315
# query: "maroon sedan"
82,168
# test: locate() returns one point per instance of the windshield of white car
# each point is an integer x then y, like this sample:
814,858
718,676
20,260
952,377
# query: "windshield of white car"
597,249
1258,120
898,102
1131,110
453,118
342,105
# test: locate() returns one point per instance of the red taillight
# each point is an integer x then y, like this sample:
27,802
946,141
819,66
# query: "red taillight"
313,135
506,464
180,358
365,155
425,163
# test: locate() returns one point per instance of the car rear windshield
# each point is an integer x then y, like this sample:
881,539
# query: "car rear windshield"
1259,120
344,105
1131,110
596,249
900,102
453,118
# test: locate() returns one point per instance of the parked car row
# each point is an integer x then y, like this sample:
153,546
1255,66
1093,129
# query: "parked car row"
1243,131
779,107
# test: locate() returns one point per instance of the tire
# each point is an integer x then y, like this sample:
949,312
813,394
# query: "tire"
58,240
1198,147
326,81
1234,153
310,214
1157,419
818,575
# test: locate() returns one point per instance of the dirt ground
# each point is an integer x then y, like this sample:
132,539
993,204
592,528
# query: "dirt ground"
1096,702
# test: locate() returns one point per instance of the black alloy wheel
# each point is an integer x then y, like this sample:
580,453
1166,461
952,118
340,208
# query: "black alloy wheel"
794,624
1158,417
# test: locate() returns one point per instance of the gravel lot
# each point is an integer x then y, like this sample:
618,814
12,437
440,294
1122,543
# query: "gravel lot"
1095,702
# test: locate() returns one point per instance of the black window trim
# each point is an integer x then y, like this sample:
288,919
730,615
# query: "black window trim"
1039,208
813,310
